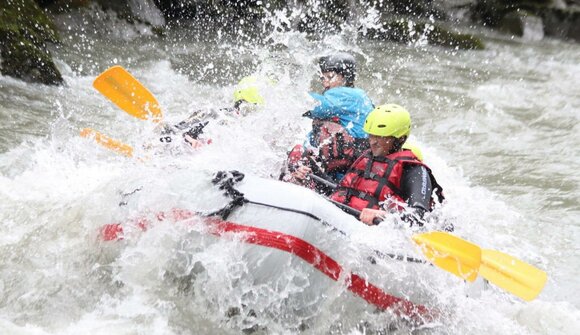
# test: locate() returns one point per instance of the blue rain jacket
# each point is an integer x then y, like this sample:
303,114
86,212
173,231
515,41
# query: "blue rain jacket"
350,105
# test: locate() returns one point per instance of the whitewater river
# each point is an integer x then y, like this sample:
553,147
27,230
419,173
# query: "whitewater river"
499,128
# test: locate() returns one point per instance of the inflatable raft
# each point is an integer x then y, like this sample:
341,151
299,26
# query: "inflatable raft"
289,236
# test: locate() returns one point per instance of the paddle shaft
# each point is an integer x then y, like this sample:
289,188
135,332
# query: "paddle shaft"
507,272
108,142
346,208
322,180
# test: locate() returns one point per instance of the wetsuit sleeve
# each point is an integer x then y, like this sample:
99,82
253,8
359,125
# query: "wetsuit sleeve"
416,186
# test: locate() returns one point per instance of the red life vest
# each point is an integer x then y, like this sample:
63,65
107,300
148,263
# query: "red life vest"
372,180
337,148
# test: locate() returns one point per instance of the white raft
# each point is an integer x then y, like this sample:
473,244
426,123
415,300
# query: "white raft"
295,244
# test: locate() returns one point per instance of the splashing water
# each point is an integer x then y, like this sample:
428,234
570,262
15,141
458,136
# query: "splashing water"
498,127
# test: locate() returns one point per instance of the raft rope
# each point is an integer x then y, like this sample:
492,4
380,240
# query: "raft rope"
226,181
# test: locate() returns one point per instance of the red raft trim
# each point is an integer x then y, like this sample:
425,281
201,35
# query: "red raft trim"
300,248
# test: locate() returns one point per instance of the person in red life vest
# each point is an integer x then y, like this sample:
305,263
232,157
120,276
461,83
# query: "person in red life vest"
388,177
337,138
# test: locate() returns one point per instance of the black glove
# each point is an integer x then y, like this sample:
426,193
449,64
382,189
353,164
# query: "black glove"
414,216
196,130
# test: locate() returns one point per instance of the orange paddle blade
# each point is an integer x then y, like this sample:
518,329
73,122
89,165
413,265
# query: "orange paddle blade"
512,274
108,142
128,93
451,253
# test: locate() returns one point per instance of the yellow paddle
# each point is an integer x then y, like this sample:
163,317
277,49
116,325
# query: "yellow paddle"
451,253
512,274
108,142
128,93
465,260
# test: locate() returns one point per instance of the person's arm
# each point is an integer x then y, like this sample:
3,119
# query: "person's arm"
416,189
325,110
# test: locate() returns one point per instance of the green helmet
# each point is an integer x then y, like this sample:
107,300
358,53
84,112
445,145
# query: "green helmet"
247,90
388,120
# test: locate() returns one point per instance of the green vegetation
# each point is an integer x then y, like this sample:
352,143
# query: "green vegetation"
24,31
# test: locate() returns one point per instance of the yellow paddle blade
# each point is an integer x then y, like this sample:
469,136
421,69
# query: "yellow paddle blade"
451,253
108,142
128,93
512,274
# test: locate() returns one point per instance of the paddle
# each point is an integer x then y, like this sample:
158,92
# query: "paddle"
125,91
465,259
108,142
451,253
128,93
444,250
323,181
512,275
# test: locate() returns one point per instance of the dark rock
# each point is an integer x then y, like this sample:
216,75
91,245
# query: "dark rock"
177,9
142,11
560,19
407,31
59,6
563,23
325,18
419,9
513,23
24,31
490,12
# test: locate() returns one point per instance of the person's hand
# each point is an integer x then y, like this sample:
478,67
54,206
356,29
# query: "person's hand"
195,144
367,215
301,172
413,216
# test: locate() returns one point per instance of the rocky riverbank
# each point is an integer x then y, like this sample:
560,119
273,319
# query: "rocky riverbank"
26,26
24,31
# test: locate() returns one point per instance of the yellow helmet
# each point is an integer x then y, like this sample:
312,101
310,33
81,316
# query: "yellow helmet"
247,90
388,120
414,148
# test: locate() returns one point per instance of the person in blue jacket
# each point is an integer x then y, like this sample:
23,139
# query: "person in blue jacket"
341,101
337,137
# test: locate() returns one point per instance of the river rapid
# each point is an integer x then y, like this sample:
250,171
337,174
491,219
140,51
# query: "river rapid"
499,128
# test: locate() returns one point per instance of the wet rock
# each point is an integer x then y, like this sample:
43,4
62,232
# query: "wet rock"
24,31
142,11
407,31
58,6
559,18
415,8
326,17
177,9
523,24
563,23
